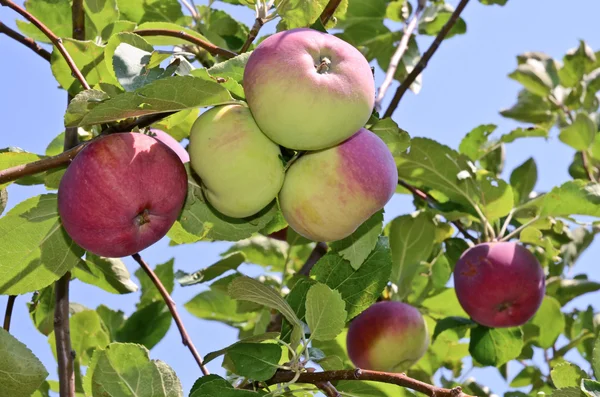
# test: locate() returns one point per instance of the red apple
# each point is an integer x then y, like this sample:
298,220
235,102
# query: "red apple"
308,90
121,194
389,336
170,142
499,284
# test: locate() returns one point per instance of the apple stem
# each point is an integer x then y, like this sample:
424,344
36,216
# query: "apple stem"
323,67
9,308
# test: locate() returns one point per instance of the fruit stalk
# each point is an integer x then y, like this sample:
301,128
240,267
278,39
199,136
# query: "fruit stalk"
57,41
375,376
185,338
425,58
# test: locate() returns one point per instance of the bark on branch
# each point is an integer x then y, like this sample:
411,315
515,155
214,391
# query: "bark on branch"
422,64
210,47
26,41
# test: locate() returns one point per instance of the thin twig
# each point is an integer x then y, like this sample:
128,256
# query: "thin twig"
185,338
258,23
422,64
366,375
329,11
519,229
434,203
26,41
62,334
192,9
211,48
10,304
57,41
395,61
328,389
64,158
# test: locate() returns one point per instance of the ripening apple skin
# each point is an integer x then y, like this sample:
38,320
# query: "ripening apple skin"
389,336
308,90
121,194
327,194
499,284
240,167
170,142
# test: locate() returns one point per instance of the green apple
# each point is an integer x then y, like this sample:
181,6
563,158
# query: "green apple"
327,194
308,90
241,169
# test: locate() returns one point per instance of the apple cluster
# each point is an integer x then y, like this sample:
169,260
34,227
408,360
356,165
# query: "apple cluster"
311,93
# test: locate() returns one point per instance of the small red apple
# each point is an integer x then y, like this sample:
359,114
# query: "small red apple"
499,284
121,194
389,336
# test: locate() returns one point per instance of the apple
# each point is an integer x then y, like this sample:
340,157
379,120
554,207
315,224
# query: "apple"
121,194
389,336
327,194
499,284
170,142
240,168
308,90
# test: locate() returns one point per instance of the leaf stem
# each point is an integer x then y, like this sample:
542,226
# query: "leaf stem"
26,41
422,64
506,223
10,304
517,230
211,48
328,11
57,41
185,338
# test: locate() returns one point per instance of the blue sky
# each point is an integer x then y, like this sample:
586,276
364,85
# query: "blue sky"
465,85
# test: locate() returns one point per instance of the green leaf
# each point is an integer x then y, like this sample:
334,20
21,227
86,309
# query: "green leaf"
21,373
41,310
55,14
146,326
150,10
529,132
100,14
82,104
110,274
496,197
575,197
530,108
596,358
249,289
452,323
396,139
576,63
495,346
262,251
359,288
434,18
257,361
138,375
473,145
215,386
254,339
112,319
533,76
12,158
297,301
491,2
3,200
216,305
356,247
444,304
568,392
232,68
88,333
150,293
590,387
229,262
398,11
300,13
232,32
566,290
89,58
325,312
523,180
550,322
579,135
411,241
169,94
527,376
567,375
35,250
201,219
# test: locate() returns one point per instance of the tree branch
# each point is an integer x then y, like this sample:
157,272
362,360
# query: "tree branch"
316,254
329,11
425,58
328,389
395,61
258,23
57,41
211,48
10,304
63,159
434,203
26,41
362,374
62,333
185,338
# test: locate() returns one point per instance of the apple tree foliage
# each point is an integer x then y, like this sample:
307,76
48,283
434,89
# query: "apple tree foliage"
300,320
